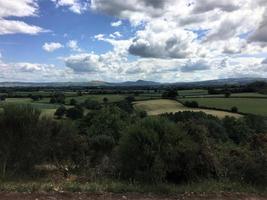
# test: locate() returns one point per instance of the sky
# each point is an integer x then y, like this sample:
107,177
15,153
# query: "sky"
129,40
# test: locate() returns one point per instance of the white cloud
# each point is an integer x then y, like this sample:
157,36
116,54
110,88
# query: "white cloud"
50,47
116,34
18,8
164,41
13,27
197,65
73,45
116,24
76,6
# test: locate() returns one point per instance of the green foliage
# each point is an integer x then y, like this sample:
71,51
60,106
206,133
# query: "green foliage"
237,129
234,109
171,93
160,150
73,102
60,112
19,138
191,104
75,113
91,104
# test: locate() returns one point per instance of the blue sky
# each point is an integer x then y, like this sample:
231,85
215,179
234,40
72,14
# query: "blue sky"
160,40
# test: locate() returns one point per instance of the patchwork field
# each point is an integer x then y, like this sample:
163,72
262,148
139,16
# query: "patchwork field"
156,107
112,98
256,106
47,109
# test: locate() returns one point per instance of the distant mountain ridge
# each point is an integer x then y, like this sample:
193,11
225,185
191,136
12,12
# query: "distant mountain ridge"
230,81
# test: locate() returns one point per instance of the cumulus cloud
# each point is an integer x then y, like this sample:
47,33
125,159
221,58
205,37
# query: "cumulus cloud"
209,5
198,65
33,72
50,47
76,6
264,61
88,63
260,34
135,10
158,41
73,45
116,24
13,27
18,8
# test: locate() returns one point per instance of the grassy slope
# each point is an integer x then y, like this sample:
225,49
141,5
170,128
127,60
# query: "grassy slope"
156,107
245,105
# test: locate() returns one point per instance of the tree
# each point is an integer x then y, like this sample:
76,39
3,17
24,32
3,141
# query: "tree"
53,100
227,94
105,100
60,112
191,104
170,93
2,98
19,138
73,102
234,109
91,104
75,113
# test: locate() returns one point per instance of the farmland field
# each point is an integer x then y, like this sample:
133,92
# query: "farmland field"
245,105
112,98
194,92
156,107
47,109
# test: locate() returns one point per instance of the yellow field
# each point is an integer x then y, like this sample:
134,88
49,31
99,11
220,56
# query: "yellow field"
156,107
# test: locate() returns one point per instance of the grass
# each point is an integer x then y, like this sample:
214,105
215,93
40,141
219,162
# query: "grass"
194,92
112,98
156,107
245,105
115,186
236,95
47,109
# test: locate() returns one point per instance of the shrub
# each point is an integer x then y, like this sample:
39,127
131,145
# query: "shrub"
19,138
75,113
91,104
234,109
191,104
160,150
171,93
60,112
73,102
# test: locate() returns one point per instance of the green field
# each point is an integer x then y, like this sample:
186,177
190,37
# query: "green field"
156,107
194,92
236,95
245,105
112,98
47,109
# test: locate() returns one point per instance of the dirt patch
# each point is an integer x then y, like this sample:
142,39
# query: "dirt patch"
108,196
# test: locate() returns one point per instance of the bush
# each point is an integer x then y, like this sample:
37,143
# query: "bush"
60,112
160,150
237,129
191,104
73,102
91,104
171,93
75,113
19,139
234,109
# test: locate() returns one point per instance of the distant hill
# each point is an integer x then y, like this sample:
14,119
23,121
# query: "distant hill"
218,82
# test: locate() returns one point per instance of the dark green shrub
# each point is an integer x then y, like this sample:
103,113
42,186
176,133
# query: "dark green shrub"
234,109
60,112
91,104
74,113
